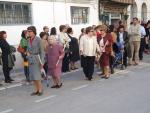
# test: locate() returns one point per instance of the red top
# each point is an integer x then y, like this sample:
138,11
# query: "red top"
31,41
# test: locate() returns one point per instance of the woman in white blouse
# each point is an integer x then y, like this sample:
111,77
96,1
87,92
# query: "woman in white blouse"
88,48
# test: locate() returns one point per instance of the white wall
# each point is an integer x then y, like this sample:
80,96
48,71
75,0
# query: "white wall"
55,14
49,14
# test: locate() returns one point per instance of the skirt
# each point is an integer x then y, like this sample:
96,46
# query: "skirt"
55,72
104,60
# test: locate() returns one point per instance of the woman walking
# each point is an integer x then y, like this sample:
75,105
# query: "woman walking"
105,44
54,56
88,48
74,49
6,51
35,53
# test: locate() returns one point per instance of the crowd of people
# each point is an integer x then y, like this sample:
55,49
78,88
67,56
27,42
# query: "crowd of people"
106,46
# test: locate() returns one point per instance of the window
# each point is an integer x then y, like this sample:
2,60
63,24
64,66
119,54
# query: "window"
15,13
79,15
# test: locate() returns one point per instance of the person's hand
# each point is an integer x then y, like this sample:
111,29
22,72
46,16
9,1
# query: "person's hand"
27,53
41,66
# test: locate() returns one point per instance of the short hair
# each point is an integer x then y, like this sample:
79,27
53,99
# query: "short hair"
45,27
111,28
43,34
69,30
88,29
32,28
2,34
120,27
23,34
82,30
103,27
62,27
135,18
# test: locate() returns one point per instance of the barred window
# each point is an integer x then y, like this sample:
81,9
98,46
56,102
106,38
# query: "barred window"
79,15
15,13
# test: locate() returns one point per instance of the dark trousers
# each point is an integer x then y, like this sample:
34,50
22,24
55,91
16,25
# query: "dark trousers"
26,68
88,66
125,55
142,46
6,69
65,63
45,67
26,72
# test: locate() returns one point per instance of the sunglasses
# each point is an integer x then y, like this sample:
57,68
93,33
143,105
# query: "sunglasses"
101,30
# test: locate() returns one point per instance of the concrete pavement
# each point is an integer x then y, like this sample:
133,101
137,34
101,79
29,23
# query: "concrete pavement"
126,91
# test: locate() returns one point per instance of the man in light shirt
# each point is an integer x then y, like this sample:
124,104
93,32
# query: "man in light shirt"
135,39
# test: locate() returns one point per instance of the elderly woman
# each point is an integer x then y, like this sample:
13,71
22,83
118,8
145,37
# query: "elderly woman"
105,43
54,56
35,55
88,47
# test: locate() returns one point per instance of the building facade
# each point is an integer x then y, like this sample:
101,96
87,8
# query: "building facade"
140,9
111,11
17,15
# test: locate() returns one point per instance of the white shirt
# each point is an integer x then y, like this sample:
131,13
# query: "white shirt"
90,46
121,37
143,32
64,39
101,43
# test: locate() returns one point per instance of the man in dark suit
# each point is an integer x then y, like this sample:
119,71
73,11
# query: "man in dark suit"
122,37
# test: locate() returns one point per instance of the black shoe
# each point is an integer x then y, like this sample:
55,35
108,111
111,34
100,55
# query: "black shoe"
59,86
34,93
11,80
40,94
90,78
54,86
8,81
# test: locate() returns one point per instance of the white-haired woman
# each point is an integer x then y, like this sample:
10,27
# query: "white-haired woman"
55,54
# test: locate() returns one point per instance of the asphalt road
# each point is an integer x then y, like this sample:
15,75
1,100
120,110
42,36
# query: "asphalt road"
127,91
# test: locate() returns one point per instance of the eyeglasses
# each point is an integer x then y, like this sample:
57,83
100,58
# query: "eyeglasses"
101,30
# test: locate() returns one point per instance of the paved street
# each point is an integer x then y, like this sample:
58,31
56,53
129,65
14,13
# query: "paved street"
126,91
